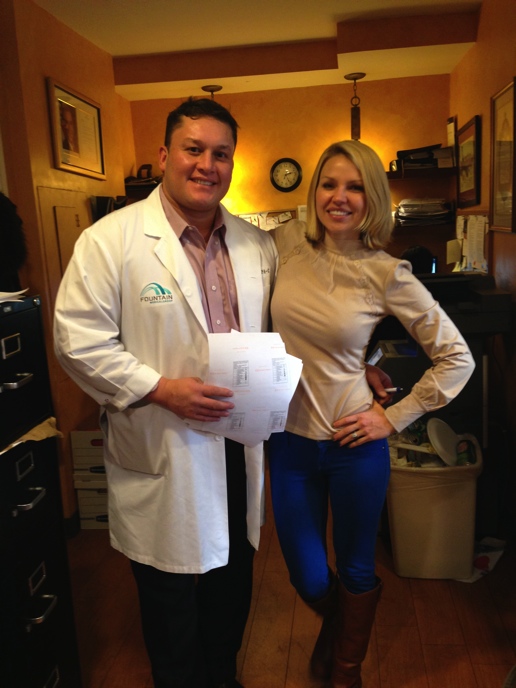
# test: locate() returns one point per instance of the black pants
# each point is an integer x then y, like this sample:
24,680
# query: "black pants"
193,625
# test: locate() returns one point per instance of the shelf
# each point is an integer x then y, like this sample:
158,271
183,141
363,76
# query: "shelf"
423,173
140,190
437,227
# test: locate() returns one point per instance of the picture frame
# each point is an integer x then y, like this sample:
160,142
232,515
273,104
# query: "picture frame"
76,129
469,146
451,136
503,170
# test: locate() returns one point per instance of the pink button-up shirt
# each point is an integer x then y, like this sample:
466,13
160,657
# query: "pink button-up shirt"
212,266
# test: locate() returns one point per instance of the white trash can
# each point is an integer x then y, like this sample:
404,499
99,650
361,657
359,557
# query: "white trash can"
432,516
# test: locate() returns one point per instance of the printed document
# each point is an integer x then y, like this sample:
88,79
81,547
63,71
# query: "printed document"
263,378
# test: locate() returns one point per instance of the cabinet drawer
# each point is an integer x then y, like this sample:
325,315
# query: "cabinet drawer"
43,638
24,385
37,633
41,573
30,498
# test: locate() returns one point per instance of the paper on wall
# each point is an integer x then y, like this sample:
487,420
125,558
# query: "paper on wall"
470,231
453,251
476,236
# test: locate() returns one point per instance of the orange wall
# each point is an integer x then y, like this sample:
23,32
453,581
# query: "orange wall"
126,138
486,69
36,46
73,61
300,123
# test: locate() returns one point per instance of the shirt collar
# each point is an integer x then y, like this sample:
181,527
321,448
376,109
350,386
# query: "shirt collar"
178,224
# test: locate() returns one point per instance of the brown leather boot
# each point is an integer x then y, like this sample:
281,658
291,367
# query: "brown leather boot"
321,661
354,623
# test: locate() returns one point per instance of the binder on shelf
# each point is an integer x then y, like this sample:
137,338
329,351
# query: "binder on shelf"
414,153
445,156
418,163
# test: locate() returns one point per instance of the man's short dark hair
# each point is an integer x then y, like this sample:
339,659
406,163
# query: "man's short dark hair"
195,108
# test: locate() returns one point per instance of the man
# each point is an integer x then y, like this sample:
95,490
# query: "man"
68,119
144,287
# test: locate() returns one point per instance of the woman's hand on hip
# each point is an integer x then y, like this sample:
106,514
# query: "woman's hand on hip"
363,427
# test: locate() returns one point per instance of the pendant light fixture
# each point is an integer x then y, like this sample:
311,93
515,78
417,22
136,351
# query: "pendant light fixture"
355,104
211,88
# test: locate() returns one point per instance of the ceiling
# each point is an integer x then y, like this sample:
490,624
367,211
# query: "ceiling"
149,27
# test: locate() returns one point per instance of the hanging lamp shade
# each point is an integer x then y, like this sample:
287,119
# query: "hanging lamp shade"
355,104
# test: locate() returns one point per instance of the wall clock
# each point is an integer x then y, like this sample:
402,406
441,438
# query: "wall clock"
286,174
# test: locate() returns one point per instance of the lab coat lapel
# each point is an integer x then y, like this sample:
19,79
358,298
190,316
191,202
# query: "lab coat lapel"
247,269
172,256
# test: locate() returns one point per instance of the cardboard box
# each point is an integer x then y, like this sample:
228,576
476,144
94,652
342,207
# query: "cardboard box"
92,496
95,522
87,449
86,439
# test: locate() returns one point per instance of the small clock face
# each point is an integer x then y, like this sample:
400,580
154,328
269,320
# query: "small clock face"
286,174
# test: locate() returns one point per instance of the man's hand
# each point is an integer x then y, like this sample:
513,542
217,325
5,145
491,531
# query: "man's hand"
190,398
378,380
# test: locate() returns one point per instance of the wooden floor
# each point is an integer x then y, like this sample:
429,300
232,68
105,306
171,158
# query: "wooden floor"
427,633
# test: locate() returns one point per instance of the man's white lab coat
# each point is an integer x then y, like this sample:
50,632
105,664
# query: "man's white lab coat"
129,311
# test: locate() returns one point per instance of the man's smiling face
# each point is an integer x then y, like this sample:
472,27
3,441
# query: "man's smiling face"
197,167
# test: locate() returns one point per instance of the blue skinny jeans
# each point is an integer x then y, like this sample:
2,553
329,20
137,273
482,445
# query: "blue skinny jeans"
308,475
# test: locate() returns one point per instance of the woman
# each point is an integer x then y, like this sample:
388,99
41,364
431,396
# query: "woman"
335,284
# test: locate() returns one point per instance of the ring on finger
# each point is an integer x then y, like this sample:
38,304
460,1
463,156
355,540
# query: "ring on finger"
354,435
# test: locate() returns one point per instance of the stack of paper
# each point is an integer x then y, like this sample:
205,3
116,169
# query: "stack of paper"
423,211
12,295
263,378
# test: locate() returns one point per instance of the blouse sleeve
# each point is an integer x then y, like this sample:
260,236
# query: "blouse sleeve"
452,362
288,236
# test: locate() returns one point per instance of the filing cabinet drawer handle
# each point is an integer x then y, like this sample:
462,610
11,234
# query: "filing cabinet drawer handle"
41,492
53,679
37,578
11,345
22,379
24,465
51,601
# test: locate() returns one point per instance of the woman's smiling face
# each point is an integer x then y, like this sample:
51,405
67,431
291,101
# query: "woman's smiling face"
340,200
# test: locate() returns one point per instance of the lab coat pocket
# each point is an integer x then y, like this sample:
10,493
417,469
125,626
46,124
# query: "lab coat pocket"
135,439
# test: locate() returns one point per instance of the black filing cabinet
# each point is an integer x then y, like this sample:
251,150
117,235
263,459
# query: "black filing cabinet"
38,646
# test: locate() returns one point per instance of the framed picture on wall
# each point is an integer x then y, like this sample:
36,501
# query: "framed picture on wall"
502,160
76,131
451,135
468,159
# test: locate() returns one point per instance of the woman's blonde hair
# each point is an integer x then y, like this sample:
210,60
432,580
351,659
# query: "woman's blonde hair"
377,225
